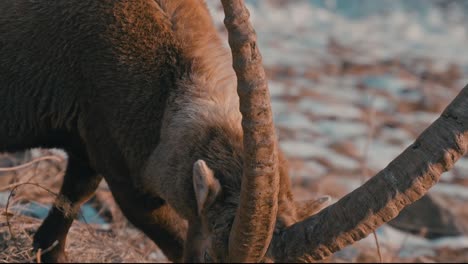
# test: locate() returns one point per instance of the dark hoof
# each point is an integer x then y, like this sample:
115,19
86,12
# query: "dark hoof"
54,258
51,255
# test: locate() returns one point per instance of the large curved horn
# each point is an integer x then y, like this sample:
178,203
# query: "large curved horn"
254,222
406,179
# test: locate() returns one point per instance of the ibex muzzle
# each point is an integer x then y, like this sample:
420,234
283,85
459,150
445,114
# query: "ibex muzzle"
143,93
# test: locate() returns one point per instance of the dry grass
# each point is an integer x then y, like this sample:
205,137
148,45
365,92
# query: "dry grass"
85,243
121,242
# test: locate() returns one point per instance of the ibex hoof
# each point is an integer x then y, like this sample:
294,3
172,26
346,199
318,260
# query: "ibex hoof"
54,255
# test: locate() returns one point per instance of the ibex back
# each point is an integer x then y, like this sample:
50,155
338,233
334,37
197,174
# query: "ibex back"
144,94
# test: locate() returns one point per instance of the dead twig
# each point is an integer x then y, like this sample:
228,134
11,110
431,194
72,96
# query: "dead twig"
35,161
12,193
50,157
364,169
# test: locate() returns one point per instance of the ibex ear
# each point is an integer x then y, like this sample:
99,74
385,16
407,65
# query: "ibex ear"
205,185
308,208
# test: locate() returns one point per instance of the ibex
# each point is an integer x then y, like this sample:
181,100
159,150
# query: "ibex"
143,93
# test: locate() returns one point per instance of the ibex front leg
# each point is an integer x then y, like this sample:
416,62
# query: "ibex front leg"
80,182
153,216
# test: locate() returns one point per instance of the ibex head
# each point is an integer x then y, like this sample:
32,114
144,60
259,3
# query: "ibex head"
251,232
218,199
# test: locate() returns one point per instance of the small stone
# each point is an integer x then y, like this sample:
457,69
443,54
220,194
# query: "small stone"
428,218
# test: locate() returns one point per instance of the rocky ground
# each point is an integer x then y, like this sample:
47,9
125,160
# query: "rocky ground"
348,96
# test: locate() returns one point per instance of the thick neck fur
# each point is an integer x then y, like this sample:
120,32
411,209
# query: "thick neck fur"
212,79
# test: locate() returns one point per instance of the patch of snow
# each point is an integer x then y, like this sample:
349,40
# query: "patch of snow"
392,135
329,109
340,129
301,149
378,102
4,198
342,88
280,107
396,87
295,121
414,246
452,190
462,167
317,169
276,88
417,117
380,153
306,150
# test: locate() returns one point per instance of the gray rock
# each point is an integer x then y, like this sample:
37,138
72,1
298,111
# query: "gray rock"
427,217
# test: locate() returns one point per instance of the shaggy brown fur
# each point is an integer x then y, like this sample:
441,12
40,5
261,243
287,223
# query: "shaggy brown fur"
136,91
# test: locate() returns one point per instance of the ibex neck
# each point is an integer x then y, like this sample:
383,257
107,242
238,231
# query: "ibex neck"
211,77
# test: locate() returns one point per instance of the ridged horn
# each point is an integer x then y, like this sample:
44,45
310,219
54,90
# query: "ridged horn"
255,219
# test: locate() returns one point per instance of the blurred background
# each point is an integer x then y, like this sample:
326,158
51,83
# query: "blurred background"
353,83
